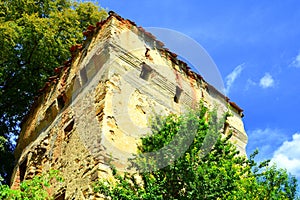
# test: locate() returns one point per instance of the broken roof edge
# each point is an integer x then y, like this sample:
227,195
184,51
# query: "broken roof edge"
90,32
173,57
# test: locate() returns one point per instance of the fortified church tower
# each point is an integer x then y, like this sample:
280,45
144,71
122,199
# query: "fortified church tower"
97,107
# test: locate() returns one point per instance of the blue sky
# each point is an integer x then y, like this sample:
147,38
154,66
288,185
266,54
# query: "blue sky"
256,47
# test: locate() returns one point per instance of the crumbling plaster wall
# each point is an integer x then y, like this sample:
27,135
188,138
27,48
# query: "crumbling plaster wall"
100,105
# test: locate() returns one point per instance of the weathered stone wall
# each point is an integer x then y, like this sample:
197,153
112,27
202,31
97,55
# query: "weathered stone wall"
100,105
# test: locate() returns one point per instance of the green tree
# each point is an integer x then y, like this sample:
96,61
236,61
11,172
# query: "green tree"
34,189
219,173
35,37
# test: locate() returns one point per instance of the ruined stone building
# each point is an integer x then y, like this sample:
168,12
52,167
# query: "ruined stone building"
98,106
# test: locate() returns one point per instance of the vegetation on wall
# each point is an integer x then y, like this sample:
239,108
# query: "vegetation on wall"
35,189
220,174
35,37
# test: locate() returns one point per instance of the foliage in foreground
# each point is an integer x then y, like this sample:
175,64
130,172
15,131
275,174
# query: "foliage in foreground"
35,37
34,189
220,174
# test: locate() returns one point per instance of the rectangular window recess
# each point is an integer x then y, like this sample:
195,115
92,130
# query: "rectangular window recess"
146,71
61,195
61,101
83,76
177,94
22,169
69,127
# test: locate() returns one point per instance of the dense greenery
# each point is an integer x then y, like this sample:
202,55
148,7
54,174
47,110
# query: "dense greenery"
220,173
35,37
34,189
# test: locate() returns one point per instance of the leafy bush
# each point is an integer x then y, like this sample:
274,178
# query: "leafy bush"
213,171
33,189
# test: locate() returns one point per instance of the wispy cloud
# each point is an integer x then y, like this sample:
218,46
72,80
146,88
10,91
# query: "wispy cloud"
230,78
296,61
250,83
257,140
288,155
266,81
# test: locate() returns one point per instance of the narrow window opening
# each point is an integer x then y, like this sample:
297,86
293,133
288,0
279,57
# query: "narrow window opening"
61,101
83,76
75,87
52,111
69,127
146,71
177,94
22,169
61,195
226,128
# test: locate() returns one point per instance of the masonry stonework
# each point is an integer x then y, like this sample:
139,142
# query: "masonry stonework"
98,107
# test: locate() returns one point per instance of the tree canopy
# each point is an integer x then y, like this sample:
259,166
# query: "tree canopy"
221,173
35,37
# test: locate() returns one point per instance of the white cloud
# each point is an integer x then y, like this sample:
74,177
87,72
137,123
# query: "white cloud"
296,61
230,78
266,81
288,155
266,141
